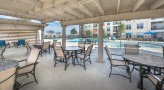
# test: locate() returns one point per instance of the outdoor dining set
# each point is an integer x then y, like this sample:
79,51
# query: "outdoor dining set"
147,65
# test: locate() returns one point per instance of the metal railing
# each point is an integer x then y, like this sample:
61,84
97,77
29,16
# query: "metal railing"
153,44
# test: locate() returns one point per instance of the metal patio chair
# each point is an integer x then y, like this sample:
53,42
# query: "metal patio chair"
28,48
85,56
30,66
132,49
46,47
60,56
82,45
2,49
8,79
117,63
157,81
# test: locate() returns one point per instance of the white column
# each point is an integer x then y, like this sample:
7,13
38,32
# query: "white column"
63,35
100,43
42,35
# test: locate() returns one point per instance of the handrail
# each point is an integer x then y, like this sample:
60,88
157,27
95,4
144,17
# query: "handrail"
153,44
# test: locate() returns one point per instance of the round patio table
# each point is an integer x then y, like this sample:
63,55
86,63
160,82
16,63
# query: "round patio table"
73,49
7,64
146,60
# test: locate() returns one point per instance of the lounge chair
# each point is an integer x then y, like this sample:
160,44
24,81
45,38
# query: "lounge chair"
60,56
1,53
28,48
117,63
85,57
46,47
30,66
7,81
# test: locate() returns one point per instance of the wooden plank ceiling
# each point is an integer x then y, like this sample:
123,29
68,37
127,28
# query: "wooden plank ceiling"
67,10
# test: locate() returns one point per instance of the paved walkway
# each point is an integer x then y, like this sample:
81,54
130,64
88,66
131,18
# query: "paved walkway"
76,78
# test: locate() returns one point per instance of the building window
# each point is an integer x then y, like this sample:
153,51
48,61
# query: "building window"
128,27
85,26
108,29
95,25
140,26
108,23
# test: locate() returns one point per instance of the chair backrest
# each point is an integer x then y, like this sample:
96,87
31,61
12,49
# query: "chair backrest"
46,45
27,46
59,52
89,49
54,43
58,44
83,39
33,56
7,79
131,49
108,53
81,44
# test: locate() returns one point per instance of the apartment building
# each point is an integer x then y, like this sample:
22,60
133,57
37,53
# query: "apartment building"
133,28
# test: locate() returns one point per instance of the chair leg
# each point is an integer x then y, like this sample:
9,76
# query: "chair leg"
27,75
84,65
35,77
49,51
3,58
110,70
90,60
55,63
65,64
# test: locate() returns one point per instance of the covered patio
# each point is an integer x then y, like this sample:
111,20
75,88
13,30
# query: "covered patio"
73,12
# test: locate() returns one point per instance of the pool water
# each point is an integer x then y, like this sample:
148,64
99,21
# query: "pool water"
120,44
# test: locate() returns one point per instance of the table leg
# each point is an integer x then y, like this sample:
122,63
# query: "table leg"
140,83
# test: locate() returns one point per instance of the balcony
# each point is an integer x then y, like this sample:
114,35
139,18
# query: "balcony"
157,28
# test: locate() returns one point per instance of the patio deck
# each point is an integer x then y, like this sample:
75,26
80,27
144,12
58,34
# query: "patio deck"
76,78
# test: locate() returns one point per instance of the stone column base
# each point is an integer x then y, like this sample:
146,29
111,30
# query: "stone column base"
100,60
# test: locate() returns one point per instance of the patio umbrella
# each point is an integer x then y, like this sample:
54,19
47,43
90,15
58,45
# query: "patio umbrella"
150,32
128,33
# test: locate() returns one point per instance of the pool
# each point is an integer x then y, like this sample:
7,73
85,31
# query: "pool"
86,39
120,44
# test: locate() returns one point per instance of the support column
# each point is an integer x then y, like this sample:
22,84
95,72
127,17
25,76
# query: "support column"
100,43
80,30
63,35
42,35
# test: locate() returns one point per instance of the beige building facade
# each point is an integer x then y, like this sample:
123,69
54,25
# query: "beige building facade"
133,28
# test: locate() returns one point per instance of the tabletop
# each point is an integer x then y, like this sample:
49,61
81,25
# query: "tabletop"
145,59
7,64
72,48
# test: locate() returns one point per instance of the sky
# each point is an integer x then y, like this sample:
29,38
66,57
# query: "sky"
55,26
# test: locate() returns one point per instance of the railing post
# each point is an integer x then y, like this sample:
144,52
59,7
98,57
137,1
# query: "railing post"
163,51
120,43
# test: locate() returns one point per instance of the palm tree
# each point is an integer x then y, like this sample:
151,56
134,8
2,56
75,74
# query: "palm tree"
51,32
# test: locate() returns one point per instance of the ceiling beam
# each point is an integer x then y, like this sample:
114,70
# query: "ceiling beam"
81,7
16,22
137,5
118,17
118,6
20,15
97,2
69,10
47,4
157,4
62,13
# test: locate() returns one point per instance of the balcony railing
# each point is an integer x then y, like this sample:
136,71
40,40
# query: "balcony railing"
155,28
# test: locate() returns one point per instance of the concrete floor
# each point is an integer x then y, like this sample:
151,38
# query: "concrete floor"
75,78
